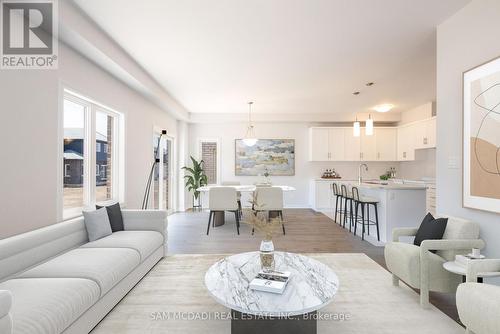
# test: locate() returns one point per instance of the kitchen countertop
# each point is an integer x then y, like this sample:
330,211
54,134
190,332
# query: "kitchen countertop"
391,186
377,185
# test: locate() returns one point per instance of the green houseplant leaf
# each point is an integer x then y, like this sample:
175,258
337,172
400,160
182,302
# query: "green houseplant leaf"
195,177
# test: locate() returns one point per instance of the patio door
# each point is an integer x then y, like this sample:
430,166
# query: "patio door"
163,178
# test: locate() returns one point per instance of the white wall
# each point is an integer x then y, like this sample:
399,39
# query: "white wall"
424,165
29,137
467,39
423,111
305,171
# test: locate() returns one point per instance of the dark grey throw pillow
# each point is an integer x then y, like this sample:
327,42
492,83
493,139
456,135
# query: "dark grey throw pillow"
430,229
115,216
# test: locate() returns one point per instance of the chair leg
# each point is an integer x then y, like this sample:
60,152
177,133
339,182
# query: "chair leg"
336,207
282,225
350,215
356,210
209,220
345,211
424,298
368,218
395,280
363,221
237,216
376,222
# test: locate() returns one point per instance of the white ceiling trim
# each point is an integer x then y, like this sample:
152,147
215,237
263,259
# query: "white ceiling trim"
292,117
91,42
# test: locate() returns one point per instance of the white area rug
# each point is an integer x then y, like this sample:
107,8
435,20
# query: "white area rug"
366,300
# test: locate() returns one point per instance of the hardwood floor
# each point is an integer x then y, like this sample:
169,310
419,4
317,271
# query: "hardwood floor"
306,232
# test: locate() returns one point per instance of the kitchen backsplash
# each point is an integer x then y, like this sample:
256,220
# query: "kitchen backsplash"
424,166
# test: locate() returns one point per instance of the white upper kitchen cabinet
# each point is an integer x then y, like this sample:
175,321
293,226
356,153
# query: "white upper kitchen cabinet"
336,144
352,146
406,142
319,144
326,144
425,133
368,145
386,148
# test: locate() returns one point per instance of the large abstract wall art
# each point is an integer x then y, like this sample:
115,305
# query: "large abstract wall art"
268,156
481,136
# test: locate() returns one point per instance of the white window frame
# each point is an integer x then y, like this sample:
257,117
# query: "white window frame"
66,167
172,179
218,159
91,107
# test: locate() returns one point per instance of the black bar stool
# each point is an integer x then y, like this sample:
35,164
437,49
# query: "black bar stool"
346,198
364,201
338,198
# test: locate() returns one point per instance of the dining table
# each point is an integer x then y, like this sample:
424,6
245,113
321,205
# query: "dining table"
219,217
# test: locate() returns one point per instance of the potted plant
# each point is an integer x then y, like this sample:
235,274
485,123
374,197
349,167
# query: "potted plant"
194,179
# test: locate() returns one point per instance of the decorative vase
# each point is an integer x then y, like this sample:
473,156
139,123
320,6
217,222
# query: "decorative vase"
267,255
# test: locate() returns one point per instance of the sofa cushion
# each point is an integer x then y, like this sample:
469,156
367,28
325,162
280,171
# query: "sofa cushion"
5,302
97,224
49,305
144,242
6,324
105,266
458,229
478,307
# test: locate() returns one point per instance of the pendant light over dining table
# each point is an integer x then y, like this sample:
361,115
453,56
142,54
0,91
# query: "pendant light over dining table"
250,139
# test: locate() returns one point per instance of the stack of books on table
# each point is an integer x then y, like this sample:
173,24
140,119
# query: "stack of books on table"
274,282
463,260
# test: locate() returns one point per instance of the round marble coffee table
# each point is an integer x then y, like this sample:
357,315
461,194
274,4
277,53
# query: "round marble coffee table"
312,285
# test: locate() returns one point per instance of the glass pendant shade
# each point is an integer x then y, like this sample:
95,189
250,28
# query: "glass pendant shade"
250,139
356,129
369,126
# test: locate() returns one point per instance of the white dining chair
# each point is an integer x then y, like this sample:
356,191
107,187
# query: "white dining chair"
238,194
270,199
222,199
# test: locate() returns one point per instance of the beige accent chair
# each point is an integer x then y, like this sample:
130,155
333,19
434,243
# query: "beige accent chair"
421,269
479,304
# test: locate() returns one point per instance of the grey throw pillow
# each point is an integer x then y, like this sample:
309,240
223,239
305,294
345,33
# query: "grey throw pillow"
97,224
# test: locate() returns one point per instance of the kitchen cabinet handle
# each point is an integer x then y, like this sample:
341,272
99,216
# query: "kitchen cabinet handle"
378,155
404,154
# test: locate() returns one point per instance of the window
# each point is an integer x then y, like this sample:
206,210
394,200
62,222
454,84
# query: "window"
209,153
86,122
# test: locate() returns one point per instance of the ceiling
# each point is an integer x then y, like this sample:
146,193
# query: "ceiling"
289,56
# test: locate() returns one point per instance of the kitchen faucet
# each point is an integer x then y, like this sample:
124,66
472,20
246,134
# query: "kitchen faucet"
360,179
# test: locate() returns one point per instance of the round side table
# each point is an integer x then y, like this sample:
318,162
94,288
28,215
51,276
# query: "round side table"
459,269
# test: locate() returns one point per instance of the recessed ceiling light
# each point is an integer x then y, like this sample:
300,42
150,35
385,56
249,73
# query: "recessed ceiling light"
355,93
370,84
383,107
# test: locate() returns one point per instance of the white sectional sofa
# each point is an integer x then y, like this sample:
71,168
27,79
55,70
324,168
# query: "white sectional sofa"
52,280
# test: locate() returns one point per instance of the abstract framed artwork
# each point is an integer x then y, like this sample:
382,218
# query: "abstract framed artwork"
481,137
274,156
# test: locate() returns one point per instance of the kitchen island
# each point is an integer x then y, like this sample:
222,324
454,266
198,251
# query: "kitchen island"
399,205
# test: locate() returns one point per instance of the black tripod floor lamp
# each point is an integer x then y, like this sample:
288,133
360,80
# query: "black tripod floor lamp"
156,161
